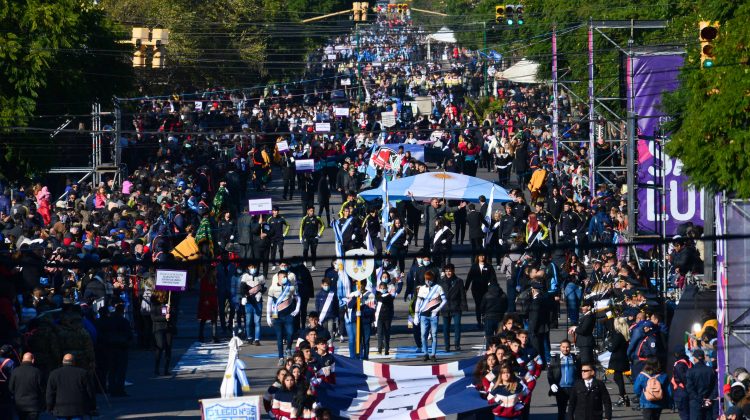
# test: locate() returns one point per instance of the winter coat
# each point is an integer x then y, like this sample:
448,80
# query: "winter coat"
618,361
494,303
455,296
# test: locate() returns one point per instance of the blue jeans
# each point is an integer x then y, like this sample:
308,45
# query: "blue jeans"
573,295
283,324
427,325
252,316
490,327
364,339
455,320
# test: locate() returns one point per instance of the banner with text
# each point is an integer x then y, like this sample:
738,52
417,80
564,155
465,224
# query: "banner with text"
651,76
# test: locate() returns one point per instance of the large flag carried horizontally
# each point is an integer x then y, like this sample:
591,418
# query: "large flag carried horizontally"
369,390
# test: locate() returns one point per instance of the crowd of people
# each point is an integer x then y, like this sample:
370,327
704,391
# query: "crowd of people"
78,273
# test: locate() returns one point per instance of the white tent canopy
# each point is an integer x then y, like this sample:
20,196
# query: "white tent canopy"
523,71
444,35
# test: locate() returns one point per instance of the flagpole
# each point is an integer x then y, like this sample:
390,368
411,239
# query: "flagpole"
359,303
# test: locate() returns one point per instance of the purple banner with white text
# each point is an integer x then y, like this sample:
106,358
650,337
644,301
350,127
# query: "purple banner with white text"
651,76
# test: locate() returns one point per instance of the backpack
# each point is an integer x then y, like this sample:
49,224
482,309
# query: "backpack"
653,391
523,301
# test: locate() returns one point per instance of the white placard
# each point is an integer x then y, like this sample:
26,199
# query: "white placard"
282,146
198,106
331,56
346,82
322,127
305,165
260,206
171,280
387,119
341,112
240,408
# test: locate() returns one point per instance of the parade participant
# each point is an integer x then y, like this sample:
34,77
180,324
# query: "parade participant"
539,319
163,327
481,275
326,304
208,304
310,229
252,288
273,389
385,296
314,324
455,306
349,227
366,313
279,228
508,392
305,289
281,406
492,307
397,242
564,370
442,243
325,362
583,333
283,306
589,398
371,226
617,343
432,212
430,300
26,385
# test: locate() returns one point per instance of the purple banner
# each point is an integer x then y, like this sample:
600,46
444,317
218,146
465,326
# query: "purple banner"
721,293
653,75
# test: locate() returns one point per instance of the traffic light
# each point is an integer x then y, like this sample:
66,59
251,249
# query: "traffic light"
519,14
499,14
140,39
708,32
510,11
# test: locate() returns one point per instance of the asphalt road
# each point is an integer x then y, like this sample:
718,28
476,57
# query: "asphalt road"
199,367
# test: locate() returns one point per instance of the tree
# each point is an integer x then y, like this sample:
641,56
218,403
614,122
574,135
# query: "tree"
55,58
711,127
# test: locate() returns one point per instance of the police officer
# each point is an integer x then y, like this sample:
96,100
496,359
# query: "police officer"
278,229
310,229
701,388
568,226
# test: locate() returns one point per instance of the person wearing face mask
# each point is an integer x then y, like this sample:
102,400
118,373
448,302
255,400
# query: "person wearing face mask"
326,305
430,299
481,274
366,314
384,297
411,277
427,267
236,309
283,305
252,287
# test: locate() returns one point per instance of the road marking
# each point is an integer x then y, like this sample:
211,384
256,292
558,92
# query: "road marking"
203,357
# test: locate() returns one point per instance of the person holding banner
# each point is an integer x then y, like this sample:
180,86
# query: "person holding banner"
366,314
430,299
283,305
163,328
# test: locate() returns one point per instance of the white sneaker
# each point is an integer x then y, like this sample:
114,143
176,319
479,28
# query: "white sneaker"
498,268
273,268
281,362
586,260
312,268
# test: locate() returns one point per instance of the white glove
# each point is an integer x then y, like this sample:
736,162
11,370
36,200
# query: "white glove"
443,241
554,388
575,230
561,233
231,237
485,229
294,313
416,320
359,313
269,321
244,301
301,240
354,294
354,237
317,236
500,241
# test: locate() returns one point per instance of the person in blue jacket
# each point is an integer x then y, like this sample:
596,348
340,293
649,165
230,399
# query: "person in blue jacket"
651,408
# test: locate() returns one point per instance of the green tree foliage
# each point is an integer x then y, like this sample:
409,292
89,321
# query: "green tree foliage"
55,58
711,130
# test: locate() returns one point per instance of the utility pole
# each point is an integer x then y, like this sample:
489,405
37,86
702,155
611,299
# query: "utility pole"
484,65
592,112
555,111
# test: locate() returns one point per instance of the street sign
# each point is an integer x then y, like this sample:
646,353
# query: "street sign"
359,268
